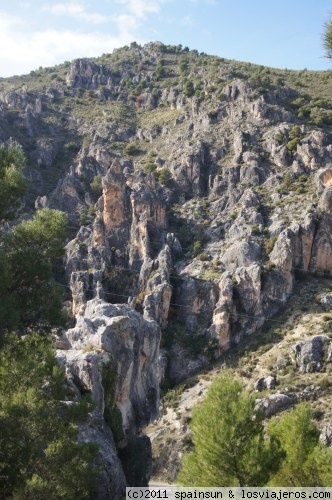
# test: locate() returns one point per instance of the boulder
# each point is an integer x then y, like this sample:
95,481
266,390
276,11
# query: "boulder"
274,404
310,353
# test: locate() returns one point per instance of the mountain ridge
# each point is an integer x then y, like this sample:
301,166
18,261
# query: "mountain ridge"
198,192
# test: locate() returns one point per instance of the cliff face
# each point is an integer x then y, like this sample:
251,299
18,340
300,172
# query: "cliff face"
197,194
113,353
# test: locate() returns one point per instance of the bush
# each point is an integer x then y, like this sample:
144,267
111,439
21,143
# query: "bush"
269,244
197,247
132,149
96,185
13,184
292,145
295,132
164,176
150,168
189,89
305,462
228,437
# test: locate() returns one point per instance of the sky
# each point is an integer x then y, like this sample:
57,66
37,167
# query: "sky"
278,33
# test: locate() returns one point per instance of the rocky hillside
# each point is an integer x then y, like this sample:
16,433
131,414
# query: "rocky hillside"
199,193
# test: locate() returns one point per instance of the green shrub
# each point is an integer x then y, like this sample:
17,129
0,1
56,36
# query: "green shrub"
228,438
189,89
294,132
197,247
269,244
132,149
96,185
164,176
292,145
150,168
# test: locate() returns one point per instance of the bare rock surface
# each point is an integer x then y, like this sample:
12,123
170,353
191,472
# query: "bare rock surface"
113,353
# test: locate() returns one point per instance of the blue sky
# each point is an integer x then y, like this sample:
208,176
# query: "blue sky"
279,33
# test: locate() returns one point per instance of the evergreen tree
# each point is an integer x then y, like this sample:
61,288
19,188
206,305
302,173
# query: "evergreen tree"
40,456
30,295
327,39
306,463
13,184
228,437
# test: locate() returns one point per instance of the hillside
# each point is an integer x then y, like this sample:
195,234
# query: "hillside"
200,204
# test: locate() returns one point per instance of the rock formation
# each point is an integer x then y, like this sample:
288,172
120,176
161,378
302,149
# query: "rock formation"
112,353
197,195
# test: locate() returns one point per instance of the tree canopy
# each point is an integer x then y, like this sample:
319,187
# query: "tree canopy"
228,437
307,462
40,456
327,39
31,297
13,184
232,448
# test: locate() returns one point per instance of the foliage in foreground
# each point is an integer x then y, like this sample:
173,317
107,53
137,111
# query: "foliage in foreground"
13,184
307,462
29,294
228,437
40,456
231,447
327,39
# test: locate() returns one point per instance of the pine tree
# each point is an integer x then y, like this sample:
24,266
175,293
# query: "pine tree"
228,437
40,456
31,297
306,462
13,184
327,39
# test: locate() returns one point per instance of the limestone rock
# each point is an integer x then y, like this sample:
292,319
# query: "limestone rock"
326,435
114,339
268,382
274,404
325,202
310,353
86,74
241,254
321,259
224,313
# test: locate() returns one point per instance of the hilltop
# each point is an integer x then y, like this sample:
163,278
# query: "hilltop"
200,202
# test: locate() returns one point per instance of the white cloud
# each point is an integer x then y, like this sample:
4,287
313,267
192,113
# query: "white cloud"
27,51
135,14
139,8
126,24
75,10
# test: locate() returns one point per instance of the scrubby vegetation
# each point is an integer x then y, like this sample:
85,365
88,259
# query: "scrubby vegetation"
231,447
40,456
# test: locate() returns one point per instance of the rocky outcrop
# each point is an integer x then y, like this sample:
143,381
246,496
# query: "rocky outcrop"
202,228
191,174
113,353
115,198
276,403
86,74
65,197
268,382
310,355
224,313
